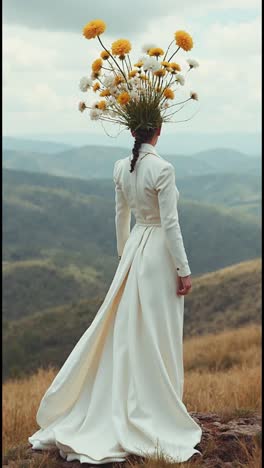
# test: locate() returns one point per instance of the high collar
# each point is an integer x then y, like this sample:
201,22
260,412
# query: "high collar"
146,148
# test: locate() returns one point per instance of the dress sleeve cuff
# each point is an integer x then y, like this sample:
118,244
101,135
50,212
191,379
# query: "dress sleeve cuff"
183,271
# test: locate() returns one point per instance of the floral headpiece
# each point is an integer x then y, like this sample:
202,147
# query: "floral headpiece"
139,96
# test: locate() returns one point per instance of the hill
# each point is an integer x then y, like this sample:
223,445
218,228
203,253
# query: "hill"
230,160
33,285
225,299
95,161
186,142
231,190
31,146
64,229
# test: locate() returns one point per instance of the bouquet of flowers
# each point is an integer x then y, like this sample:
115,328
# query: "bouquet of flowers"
141,96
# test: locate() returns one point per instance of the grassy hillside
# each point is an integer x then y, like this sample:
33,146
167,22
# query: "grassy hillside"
59,232
234,191
34,285
221,300
227,298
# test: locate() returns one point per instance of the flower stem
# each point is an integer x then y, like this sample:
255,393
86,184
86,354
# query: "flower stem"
173,54
98,37
164,58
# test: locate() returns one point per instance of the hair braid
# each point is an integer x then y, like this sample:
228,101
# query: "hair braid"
142,136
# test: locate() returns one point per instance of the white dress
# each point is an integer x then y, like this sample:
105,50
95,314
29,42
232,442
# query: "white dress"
120,390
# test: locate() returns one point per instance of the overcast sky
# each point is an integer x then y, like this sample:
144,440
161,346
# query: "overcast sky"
45,56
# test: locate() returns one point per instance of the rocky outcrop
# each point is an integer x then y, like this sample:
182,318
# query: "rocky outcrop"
226,442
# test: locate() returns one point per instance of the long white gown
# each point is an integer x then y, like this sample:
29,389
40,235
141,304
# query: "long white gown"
120,390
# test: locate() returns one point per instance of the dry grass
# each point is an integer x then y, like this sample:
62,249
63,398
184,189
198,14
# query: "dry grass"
222,375
223,372
221,351
21,398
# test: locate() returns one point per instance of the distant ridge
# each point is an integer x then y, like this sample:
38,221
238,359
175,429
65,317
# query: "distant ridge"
185,142
39,146
91,161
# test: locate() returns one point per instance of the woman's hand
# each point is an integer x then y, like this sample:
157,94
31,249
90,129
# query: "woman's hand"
184,285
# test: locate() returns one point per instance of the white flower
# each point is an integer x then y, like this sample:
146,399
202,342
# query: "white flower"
109,81
81,106
111,100
95,114
85,83
180,78
192,63
151,64
194,95
134,95
147,47
135,82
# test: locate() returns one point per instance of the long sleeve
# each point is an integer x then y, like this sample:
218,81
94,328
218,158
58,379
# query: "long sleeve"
167,196
122,213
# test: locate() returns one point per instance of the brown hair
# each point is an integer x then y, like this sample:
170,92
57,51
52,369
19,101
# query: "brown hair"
141,136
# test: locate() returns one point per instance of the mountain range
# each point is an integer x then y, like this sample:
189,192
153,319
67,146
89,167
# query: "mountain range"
59,236
90,162
180,142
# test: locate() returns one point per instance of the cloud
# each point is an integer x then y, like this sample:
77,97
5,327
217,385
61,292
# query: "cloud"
122,17
235,40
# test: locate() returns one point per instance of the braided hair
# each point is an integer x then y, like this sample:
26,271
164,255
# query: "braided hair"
141,136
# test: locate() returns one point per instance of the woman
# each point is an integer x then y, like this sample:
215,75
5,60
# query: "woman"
120,390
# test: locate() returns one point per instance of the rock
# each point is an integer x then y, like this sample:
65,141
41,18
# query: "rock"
220,445
221,441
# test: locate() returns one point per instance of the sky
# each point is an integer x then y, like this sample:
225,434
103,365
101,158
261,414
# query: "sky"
45,55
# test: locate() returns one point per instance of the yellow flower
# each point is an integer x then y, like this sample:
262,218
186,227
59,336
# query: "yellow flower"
165,64
175,66
96,86
184,40
118,79
101,105
168,93
105,92
97,65
123,98
156,51
132,73
121,47
144,78
160,72
95,75
93,29
138,64
105,55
